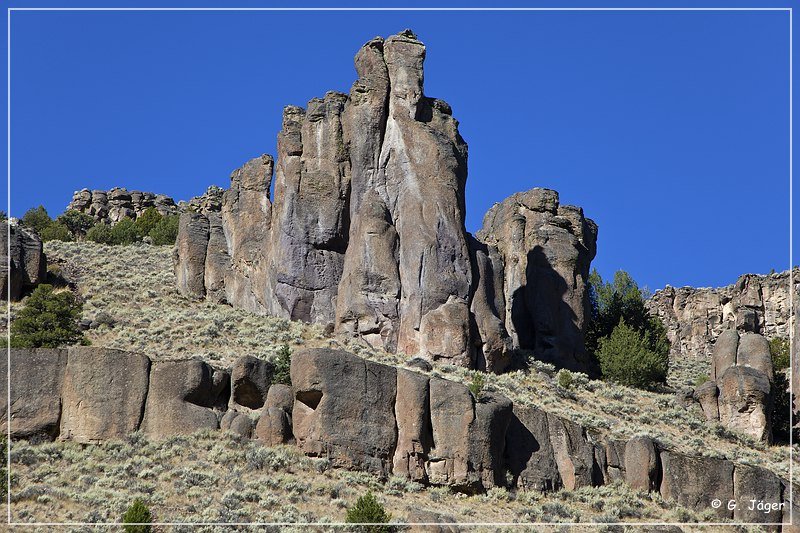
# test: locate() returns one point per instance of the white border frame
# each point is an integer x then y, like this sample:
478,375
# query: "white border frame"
399,9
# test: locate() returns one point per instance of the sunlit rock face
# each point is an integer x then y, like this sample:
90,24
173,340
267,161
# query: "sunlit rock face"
365,234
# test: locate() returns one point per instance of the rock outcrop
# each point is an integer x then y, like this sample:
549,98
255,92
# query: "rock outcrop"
365,233
113,205
695,318
26,267
369,416
739,393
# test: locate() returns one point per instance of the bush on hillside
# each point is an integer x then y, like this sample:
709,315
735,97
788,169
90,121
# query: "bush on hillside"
283,362
100,233
781,405
779,349
76,222
146,222
55,231
165,231
628,357
137,513
368,510
124,232
48,320
477,384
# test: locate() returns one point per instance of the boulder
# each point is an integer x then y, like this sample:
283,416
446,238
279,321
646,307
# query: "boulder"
641,464
574,454
487,439
235,422
753,351
753,485
706,395
745,402
615,460
344,409
103,394
273,427
424,521
280,396
695,482
184,397
36,382
724,355
452,415
250,381
530,456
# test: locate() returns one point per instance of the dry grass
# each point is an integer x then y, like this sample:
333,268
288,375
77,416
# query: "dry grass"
135,286
214,477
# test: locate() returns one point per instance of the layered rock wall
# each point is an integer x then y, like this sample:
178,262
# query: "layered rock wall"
695,317
113,205
366,234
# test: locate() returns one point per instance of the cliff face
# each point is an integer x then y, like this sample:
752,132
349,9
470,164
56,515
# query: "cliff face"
113,205
366,235
695,318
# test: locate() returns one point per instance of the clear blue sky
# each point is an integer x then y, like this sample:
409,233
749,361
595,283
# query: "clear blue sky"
670,129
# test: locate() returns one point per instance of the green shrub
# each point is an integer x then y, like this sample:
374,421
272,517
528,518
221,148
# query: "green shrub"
55,231
165,231
76,222
48,320
781,405
37,219
100,233
627,357
124,232
368,510
564,379
476,386
779,349
283,362
137,513
147,221
700,380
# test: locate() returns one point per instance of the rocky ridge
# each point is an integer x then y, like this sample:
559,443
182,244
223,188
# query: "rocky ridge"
367,416
696,317
365,233
26,266
113,205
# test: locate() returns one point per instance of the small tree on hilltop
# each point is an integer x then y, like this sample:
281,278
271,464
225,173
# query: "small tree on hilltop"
37,219
55,231
147,221
48,320
630,357
124,232
368,510
165,231
100,233
76,222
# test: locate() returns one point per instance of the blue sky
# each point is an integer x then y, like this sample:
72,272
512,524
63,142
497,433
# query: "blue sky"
670,129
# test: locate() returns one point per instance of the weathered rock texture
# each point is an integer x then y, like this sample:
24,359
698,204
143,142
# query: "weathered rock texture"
366,232
739,393
118,203
26,267
695,318
369,416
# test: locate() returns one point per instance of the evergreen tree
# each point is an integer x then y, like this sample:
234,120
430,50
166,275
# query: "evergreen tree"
48,320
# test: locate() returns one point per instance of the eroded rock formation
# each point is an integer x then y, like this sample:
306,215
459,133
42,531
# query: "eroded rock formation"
26,267
113,205
695,318
739,393
366,233
369,416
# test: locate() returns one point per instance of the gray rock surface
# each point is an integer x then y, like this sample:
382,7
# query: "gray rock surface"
114,205
26,267
184,397
36,384
365,233
251,378
103,394
695,482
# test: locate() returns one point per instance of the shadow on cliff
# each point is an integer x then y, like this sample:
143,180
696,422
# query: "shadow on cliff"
545,324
